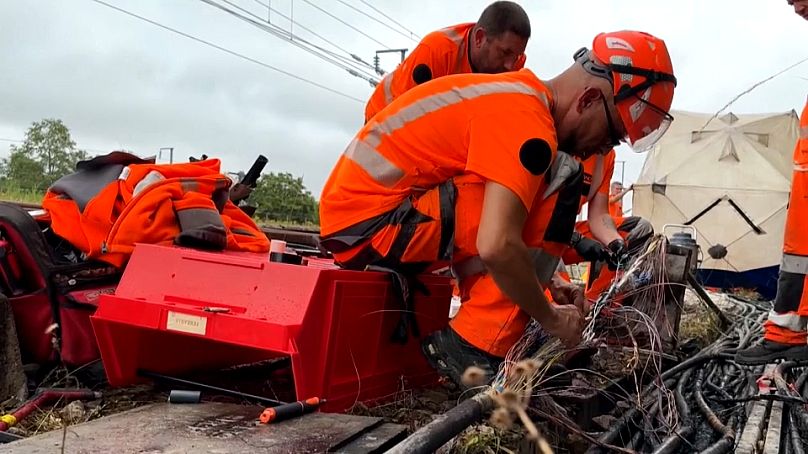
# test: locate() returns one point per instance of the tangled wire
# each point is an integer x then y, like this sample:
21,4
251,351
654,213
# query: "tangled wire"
697,405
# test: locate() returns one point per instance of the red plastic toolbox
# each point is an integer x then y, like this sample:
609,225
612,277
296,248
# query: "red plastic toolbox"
178,311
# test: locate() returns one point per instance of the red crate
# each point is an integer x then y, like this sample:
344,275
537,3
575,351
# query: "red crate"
166,316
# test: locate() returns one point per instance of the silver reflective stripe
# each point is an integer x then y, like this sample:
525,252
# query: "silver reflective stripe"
150,178
545,264
564,166
189,185
800,167
199,219
803,132
789,320
385,172
372,162
456,95
796,264
597,177
387,87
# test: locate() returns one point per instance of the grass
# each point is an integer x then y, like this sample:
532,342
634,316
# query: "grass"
19,195
10,193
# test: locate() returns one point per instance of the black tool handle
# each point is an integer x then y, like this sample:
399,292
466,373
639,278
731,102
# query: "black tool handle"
251,177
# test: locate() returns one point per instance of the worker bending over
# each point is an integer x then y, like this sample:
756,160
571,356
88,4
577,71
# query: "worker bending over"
494,44
785,334
462,170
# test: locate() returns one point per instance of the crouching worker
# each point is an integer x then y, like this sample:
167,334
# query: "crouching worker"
464,170
606,239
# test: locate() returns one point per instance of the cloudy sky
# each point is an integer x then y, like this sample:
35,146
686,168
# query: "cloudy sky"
121,83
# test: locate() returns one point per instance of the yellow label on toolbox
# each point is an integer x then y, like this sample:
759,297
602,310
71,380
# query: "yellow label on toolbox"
186,323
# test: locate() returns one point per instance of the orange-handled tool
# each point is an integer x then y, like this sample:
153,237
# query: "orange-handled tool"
290,410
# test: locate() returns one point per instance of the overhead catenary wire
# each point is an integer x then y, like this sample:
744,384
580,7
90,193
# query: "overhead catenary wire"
349,66
231,52
391,19
748,90
293,36
347,24
406,35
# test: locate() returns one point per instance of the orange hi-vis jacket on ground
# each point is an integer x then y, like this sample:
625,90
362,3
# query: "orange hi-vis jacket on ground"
408,191
439,54
114,201
787,322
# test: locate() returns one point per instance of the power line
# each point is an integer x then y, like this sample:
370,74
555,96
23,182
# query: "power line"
260,24
347,25
750,89
353,56
234,53
408,36
391,19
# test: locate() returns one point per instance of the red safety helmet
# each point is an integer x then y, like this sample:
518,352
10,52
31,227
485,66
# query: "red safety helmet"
640,69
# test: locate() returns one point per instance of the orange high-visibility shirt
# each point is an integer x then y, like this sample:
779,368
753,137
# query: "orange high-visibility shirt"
496,126
598,171
439,54
616,209
796,241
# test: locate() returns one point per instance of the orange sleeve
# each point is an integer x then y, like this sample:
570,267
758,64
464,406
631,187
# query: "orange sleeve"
608,173
429,60
514,150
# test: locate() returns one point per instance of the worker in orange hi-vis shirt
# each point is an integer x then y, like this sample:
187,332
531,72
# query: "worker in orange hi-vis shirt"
786,330
606,239
616,194
494,44
465,170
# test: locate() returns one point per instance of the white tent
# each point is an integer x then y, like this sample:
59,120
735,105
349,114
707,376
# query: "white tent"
729,179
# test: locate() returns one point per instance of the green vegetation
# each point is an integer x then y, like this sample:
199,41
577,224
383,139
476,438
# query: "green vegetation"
48,153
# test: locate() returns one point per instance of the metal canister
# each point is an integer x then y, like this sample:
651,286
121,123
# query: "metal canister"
686,240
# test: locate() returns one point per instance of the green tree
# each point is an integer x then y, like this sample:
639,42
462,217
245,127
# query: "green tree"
22,172
47,153
284,197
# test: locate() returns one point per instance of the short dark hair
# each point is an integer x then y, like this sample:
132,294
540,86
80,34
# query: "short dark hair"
502,16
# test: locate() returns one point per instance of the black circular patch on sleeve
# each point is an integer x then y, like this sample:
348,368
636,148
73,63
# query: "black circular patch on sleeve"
422,73
535,155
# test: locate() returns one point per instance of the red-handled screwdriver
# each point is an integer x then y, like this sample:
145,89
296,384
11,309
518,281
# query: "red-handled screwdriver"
290,410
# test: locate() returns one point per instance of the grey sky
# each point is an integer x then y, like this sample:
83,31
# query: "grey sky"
118,82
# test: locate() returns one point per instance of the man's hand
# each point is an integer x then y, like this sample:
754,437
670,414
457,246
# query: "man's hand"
566,323
565,293
239,192
618,254
589,249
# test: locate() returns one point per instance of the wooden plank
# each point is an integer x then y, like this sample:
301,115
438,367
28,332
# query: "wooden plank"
753,429
207,427
378,440
774,431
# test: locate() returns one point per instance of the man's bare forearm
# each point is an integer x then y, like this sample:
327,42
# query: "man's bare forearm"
515,275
